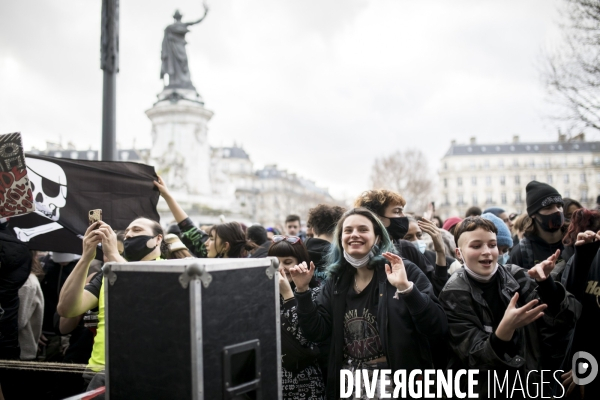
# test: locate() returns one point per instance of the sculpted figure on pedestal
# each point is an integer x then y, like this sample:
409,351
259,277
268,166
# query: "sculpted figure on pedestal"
173,54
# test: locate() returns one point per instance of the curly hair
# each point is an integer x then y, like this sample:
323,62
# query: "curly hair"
336,262
581,220
470,224
323,218
378,200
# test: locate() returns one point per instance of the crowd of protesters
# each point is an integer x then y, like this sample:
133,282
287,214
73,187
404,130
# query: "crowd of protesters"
365,288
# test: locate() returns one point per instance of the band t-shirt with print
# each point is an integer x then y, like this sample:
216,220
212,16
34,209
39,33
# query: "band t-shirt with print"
361,335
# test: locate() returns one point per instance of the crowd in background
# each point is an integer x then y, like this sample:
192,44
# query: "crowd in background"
367,287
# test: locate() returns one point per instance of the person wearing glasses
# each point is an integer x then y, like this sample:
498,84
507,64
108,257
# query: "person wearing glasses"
379,310
301,374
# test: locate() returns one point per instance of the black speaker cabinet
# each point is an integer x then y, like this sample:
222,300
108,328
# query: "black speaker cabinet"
193,329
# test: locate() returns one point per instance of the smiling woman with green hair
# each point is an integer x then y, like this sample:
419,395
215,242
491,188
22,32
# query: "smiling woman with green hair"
378,310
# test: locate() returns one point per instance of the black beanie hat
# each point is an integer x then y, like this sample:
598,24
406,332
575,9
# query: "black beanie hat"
540,195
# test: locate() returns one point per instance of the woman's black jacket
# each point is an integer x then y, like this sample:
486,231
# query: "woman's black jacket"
405,325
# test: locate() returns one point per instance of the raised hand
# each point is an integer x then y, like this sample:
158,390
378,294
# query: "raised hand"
162,187
109,242
515,318
436,235
91,239
570,385
396,273
285,290
587,237
540,272
302,275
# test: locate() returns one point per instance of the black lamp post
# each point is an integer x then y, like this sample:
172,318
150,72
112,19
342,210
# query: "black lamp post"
109,63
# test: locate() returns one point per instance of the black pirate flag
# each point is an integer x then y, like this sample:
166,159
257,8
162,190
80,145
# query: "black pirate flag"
64,190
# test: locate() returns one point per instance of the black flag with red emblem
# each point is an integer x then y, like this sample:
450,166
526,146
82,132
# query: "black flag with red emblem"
65,190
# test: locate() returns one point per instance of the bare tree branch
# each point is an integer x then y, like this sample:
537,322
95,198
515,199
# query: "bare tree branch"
405,172
571,73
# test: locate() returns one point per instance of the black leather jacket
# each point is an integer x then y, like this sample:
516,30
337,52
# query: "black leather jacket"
540,345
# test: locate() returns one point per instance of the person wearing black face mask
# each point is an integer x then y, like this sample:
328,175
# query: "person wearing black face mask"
143,242
389,208
544,233
136,248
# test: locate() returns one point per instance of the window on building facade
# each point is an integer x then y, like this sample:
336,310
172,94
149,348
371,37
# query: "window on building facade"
474,199
518,199
488,180
500,163
445,182
486,164
473,180
503,198
566,178
445,165
515,162
489,198
582,178
446,200
548,162
459,181
532,177
567,193
580,161
584,196
549,179
502,180
532,163
598,177
517,180
461,200
473,166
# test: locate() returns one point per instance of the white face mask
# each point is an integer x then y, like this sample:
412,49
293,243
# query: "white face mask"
475,275
421,245
361,262
503,259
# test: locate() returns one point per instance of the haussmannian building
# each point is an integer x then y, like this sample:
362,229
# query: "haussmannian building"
496,174
238,191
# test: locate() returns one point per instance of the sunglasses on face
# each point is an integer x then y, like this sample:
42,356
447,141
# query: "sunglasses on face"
289,239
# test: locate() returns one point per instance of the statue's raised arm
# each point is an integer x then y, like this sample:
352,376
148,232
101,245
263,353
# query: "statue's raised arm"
201,19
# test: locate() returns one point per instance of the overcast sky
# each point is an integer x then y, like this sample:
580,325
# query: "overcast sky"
319,87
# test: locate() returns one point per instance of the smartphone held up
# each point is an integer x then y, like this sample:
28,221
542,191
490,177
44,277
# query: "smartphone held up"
95,216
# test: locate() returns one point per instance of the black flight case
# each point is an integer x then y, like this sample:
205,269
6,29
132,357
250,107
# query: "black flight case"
193,329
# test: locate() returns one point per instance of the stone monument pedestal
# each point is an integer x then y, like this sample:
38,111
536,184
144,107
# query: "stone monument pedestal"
180,150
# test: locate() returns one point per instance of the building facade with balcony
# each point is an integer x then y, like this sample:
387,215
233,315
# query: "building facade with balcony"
488,175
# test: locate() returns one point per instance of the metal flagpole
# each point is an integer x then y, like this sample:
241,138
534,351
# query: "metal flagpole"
109,63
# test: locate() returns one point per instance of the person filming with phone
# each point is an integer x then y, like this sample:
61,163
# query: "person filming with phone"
143,241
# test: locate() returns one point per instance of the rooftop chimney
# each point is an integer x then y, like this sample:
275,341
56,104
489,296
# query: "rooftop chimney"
472,140
453,142
515,138
562,137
